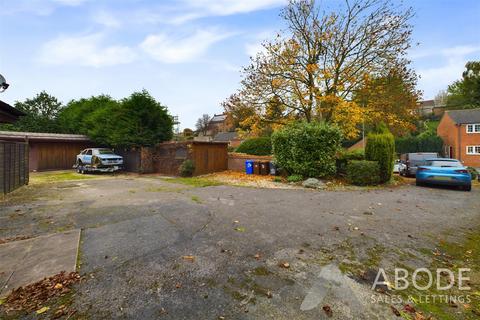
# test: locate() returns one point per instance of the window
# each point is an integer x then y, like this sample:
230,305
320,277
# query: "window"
473,128
473,149
105,151
89,152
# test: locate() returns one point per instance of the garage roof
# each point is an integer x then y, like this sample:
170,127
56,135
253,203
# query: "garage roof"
35,136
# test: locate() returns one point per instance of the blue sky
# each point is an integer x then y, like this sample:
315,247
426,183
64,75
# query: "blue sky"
187,53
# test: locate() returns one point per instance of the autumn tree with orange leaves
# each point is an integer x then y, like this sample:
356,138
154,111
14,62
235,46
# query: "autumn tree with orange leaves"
313,70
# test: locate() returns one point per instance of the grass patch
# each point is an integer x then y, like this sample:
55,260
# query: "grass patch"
196,199
451,255
165,189
196,182
58,176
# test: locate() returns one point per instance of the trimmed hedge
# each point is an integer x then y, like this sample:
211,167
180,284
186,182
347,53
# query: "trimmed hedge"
256,146
363,172
381,148
307,149
420,143
344,156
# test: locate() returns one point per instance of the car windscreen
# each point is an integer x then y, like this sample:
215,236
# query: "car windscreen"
105,151
439,163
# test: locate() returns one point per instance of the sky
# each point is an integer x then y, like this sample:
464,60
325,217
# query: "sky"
187,53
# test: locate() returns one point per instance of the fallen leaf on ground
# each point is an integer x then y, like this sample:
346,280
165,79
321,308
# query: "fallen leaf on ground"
285,265
43,310
189,258
178,285
409,308
395,311
240,229
257,256
58,286
36,295
328,310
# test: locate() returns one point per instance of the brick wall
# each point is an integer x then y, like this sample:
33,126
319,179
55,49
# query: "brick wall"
456,140
236,161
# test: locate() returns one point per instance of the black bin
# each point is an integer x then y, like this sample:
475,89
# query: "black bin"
264,168
256,167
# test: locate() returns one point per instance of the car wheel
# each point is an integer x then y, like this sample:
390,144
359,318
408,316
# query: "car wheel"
418,183
467,188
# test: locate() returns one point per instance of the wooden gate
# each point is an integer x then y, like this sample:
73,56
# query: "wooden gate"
13,165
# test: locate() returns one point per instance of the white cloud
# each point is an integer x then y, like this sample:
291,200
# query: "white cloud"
255,46
437,78
106,19
38,7
85,51
229,7
187,10
170,49
70,2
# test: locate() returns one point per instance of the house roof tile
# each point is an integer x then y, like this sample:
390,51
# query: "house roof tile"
464,116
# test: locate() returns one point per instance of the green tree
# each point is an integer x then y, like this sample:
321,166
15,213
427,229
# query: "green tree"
79,116
139,120
41,113
465,93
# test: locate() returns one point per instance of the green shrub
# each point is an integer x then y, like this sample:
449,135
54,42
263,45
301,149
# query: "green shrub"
363,172
420,143
344,156
295,178
187,168
473,172
381,148
256,146
307,149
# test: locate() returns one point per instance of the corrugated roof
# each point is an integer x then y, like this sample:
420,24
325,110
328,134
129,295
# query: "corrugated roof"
464,116
42,136
9,109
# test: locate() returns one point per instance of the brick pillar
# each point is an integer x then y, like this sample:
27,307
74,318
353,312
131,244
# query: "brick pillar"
146,160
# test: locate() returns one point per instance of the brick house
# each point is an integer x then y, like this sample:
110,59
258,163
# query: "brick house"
218,123
460,131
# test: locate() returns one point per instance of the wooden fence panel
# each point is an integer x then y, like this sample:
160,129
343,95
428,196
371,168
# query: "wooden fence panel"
13,165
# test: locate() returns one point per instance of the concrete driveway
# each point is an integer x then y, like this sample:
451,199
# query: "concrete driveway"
158,249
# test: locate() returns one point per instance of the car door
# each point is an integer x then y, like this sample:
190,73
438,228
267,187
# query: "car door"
87,157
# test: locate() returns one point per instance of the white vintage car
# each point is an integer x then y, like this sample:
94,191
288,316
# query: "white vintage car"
98,160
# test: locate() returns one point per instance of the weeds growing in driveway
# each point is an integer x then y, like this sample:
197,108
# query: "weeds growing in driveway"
196,182
59,176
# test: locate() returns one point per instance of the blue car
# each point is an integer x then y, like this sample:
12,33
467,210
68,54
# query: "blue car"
444,171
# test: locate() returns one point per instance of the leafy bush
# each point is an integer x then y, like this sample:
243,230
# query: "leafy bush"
344,156
473,172
187,168
138,120
381,148
307,149
295,178
420,143
363,172
256,146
